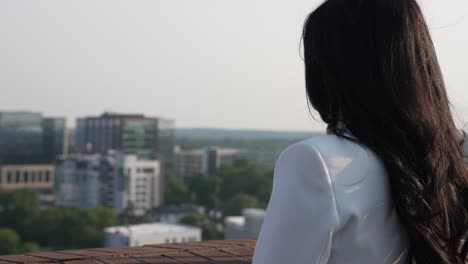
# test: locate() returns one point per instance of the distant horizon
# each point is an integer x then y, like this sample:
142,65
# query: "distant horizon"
72,125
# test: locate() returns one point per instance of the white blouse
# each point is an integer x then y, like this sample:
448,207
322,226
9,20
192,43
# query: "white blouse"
330,203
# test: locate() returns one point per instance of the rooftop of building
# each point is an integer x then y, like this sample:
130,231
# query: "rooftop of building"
210,252
235,220
153,228
176,209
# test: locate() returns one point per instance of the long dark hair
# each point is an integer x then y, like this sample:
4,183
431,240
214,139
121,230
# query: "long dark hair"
371,67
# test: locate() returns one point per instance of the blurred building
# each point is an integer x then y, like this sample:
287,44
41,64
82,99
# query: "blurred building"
246,226
29,144
172,214
36,177
39,177
146,137
116,180
29,138
147,234
189,163
214,157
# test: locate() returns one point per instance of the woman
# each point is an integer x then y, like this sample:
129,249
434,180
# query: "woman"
388,183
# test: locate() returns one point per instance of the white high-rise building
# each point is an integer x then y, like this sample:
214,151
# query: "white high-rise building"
115,180
139,184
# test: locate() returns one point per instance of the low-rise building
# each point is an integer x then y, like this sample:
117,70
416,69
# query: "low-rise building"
172,214
38,177
246,226
189,163
147,234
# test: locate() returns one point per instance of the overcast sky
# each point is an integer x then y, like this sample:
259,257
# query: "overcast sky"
204,63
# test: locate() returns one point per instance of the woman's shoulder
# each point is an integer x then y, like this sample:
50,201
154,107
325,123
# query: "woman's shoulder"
336,155
328,146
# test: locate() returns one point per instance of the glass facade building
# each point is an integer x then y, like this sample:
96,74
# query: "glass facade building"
28,138
145,137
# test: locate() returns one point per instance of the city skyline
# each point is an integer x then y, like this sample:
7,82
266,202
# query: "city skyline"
207,63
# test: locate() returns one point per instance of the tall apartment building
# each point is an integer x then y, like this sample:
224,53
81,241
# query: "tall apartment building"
115,180
145,137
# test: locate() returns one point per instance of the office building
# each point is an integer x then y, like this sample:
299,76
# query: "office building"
150,234
146,137
116,180
189,163
29,138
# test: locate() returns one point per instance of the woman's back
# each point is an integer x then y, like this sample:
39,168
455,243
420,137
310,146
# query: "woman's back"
331,203
371,70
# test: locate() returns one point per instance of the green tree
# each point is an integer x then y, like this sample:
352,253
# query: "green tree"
176,191
243,177
9,241
29,247
17,208
206,190
67,228
194,219
128,217
212,231
235,205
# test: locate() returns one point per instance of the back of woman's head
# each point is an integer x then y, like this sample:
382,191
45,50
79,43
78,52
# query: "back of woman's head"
371,67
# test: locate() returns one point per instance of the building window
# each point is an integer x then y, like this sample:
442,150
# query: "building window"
39,176
167,241
47,176
148,170
9,176
33,176
174,240
18,175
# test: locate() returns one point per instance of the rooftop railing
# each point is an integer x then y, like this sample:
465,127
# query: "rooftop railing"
209,252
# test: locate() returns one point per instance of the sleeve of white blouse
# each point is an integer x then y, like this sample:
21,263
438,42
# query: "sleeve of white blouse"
301,215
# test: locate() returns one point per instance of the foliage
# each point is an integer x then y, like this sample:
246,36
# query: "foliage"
267,145
212,231
175,191
17,207
235,205
194,219
55,228
30,247
9,241
243,177
239,178
128,217
67,228
206,190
